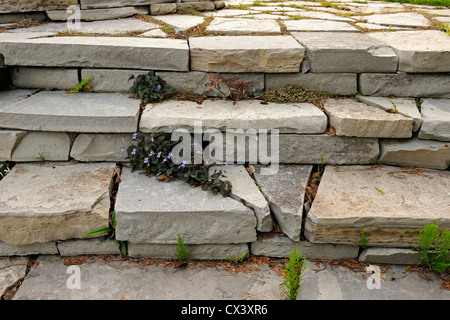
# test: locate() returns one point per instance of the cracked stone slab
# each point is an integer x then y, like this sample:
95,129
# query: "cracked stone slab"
243,26
401,19
346,52
9,139
35,146
415,152
405,106
391,204
318,25
11,271
419,51
436,119
356,119
10,97
152,211
82,112
285,192
48,202
222,115
100,147
98,52
246,191
271,54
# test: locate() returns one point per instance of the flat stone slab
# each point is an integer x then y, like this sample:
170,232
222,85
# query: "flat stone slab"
101,147
35,146
318,25
35,5
391,204
285,190
356,119
151,211
419,85
404,106
98,14
181,23
43,203
323,16
436,119
401,19
419,51
82,247
9,139
246,191
270,54
390,256
243,26
222,115
11,271
8,250
346,52
280,247
10,97
415,152
44,78
98,52
82,112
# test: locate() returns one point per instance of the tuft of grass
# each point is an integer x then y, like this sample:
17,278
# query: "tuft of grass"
182,251
363,240
294,274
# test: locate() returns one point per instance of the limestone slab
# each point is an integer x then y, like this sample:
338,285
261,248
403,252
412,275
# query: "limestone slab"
405,85
100,147
12,270
9,139
323,16
270,54
246,191
346,52
44,78
285,192
390,256
243,26
82,247
98,4
197,251
404,106
10,97
415,152
98,52
35,5
280,247
162,8
110,80
7,250
82,112
35,146
391,204
188,7
228,13
436,119
340,83
98,14
419,51
151,211
400,19
43,203
356,119
180,22
319,25
222,115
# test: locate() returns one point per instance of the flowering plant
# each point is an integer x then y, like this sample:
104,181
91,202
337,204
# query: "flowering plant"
149,87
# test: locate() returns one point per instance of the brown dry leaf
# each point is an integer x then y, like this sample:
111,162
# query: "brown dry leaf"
390,110
163,177
331,132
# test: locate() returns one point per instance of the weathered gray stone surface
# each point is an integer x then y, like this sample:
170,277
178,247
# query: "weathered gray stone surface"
6,36
222,115
436,119
35,146
415,152
322,15
98,14
10,97
346,52
390,256
318,25
419,51
82,112
44,78
82,247
285,192
243,26
19,16
155,33
401,19
340,83
270,54
162,8
246,191
187,7
100,147
405,85
356,119
152,211
9,139
12,270
391,204
180,22
43,203
404,106
95,4
34,5
28,249
110,80
98,52
280,247
197,251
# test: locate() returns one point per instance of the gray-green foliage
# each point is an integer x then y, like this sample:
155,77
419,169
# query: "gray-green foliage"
434,247
182,251
293,274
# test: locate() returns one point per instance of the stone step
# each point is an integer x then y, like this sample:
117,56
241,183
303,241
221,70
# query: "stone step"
81,112
389,204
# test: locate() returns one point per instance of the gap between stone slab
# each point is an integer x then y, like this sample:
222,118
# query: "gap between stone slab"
11,291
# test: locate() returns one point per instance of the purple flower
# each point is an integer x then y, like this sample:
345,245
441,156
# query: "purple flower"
134,151
158,87
151,153
146,160
165,159
134,136
225,163
123,139
183,164
153,140
123,148
158,155
169,156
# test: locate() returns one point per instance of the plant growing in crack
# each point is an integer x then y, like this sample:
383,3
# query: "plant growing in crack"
363,240
149,87
237,90
81,86
293,274
182,251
